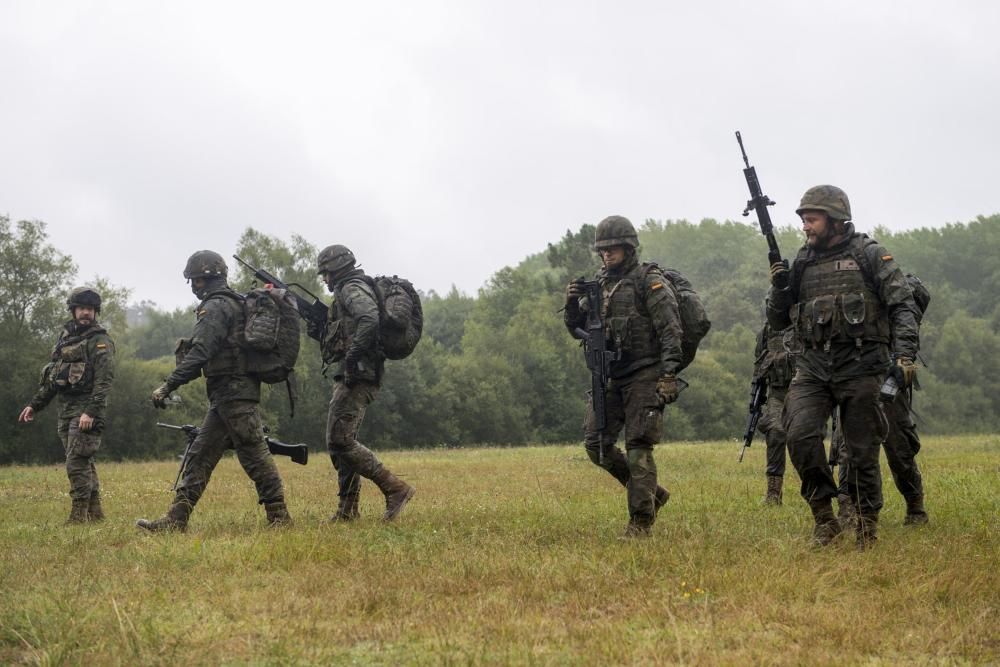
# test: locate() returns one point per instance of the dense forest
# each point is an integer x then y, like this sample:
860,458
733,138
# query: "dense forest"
498,367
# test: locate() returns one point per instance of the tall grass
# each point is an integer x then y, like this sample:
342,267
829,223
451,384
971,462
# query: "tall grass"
504,556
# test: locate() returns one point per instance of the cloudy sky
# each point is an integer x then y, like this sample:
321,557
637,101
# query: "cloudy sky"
444,140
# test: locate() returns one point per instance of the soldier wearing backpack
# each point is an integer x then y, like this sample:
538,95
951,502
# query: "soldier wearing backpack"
233,420
850,306
643,328
352,341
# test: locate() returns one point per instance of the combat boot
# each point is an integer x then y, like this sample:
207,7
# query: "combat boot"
827,527
847,513
916,515
660,498
397,493
774,484
637,530
80,511
348,509
867,531
94,510
175,519
277,514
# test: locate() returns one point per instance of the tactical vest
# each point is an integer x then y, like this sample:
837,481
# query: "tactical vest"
231,359
837,302
71,370
628,327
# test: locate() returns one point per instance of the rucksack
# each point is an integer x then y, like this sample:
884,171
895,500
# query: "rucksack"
694,319
271,334
401,316
921,295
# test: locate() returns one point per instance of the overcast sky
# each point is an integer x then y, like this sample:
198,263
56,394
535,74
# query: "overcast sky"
444,140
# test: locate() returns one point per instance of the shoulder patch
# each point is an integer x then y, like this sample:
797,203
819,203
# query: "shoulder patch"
657,285
102,346
886,258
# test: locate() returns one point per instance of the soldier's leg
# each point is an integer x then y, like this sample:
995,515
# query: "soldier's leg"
245,431
643,428
901,447
864,427
348,490
774,434
81,446
601,443
347,410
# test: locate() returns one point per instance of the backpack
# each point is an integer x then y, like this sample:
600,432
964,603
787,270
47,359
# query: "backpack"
921,295
401,317
694,319
271,334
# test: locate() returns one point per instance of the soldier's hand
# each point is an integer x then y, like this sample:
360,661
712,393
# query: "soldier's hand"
27,415
160,396
906,371
573,292
86,422
667,388
779,275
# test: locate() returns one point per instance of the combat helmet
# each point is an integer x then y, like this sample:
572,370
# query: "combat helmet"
613,231
827,198
205,264
84,296
335,259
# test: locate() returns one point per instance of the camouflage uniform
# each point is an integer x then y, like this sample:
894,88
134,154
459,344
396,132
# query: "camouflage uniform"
849,304
351,343
80,373
775,364
233,419
641,321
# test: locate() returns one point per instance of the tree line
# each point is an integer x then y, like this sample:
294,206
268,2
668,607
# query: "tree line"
498,367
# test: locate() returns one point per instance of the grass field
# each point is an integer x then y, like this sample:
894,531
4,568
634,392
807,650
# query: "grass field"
504,556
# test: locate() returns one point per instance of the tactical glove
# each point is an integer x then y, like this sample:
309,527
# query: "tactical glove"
573,293
906,371
160,395
779,275
667,388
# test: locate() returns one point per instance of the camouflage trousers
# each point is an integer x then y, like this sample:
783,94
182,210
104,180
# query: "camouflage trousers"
901,446
774,433
80,447
633,404
350,457
231,425
808,406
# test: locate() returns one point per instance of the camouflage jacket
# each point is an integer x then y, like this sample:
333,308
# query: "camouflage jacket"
80,371
214,351
352,333
850,306
641,322
773,361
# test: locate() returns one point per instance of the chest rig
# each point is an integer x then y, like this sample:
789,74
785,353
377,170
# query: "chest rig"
628,327
837,302
71,370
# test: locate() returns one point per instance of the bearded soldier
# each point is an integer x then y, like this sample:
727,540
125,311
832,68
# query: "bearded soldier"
233,420
351,341
80,373
642,324
850,306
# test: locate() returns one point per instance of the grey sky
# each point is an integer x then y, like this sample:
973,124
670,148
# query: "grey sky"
443,140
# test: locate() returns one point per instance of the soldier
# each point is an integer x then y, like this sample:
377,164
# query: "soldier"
80,372
849,303
641,321
351,340
776,364
233,419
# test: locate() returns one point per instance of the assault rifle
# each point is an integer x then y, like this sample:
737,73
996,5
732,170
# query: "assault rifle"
595,349
298,453
313,312
759,202
758,395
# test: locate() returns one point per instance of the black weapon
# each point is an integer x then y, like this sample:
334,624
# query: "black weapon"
313,312
595,349
759,202
297,453
758,395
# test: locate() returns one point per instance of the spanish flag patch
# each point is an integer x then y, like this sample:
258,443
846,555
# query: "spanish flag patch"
101,346
886,258
656,286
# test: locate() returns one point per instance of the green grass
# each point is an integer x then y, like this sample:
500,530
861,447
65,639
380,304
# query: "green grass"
504,556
